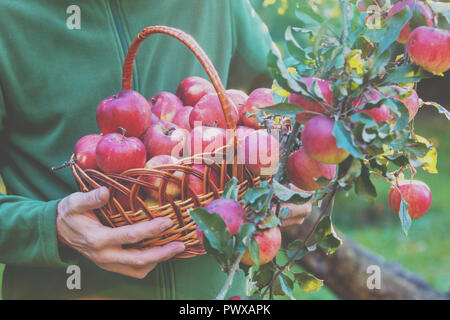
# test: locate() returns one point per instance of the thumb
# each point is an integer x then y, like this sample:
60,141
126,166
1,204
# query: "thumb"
85,201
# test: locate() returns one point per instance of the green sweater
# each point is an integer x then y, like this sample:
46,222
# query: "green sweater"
51,82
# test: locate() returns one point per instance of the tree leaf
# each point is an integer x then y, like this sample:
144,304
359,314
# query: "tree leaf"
393,28
363,185
283,109
407,74
308,282
253,248
290,196
231,190
293,247
244,231
326,236
403,214
344,139
440,108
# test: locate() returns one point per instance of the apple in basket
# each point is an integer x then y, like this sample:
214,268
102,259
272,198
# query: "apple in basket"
258,98
208,111
181,118
165,138
128,110
116,153
205,139
192,89
172,188
196,184
85,151
165,105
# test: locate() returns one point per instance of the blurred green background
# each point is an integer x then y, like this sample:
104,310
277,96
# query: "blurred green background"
374,225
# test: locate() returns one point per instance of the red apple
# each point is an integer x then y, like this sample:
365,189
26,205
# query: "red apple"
165,138
231,212
196,184
235,298
416,194
429,48
172,189
319,143
155,119
259,151
379,114
205,140
308,105
412,102
165,105
243,131
181,118
85,151
116,153
269,243
423,8
302,171
239,98
259,98
192,89
126,109
209,110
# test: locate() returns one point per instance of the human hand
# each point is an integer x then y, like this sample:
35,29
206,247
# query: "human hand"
298,212
79,228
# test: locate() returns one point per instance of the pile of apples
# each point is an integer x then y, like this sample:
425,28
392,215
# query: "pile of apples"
141,133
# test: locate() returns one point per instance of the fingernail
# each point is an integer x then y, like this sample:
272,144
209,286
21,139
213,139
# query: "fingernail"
179,246
97,195
166,224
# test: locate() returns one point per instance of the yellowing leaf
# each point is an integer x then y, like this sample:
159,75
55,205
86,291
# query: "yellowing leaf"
292,70
280,91
430,159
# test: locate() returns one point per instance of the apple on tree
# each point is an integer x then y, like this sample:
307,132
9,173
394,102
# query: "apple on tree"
412,102
415,193
116,153
269,243
128,110
379,114
319,143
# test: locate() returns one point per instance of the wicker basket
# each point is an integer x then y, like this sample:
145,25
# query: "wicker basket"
129,183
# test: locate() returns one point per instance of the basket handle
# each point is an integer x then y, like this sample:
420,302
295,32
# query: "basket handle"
198,52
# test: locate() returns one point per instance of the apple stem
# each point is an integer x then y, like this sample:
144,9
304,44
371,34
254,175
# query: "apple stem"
64,165
234,267
169,131
123,131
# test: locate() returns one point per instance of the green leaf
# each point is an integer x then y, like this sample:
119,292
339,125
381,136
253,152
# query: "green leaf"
407,74
364,118
287,195
308,282
263,275
253,248
353,172
326,236
402,113
213,227
284,212
344,139
287,285
393,28
308,17
294,246
364,186
399,161
272,221
403,214
254,197
231,191
283,109
244,231
279,71
440,108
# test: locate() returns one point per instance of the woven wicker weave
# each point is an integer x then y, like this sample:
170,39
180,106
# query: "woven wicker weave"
129,184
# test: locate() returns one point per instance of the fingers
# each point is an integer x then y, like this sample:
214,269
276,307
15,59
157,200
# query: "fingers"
81,202
291,222
297,210
140,258
134,233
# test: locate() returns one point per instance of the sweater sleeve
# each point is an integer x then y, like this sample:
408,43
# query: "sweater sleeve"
27,227
251,43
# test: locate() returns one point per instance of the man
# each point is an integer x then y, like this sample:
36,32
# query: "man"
52,78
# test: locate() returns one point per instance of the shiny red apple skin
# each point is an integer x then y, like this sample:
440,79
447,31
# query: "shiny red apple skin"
196,184
209,110
302,171
243,131
416,193
258,98
192,89
424,9
181,118
165,105
205,139
412,102
116,153
172,189
269,243
319,143
85,151
429,48
231,212
165,138
259,151
126,109
308,105
239,98
379,114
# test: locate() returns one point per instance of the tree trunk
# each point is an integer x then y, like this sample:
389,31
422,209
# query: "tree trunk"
351,272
